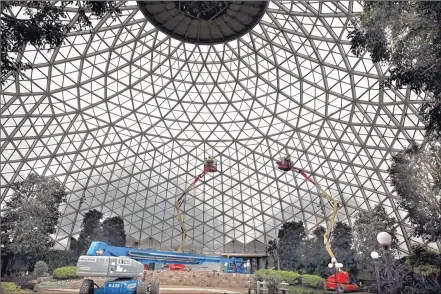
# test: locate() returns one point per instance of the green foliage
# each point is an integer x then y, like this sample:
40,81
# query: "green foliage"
90,230
310,256
405,34
40,268
427,270
263,273
313,281
341,244
366,228
314,257
113,231
60,258
9,287
38,199
64,273
292,278
416,177
110,231
426,263
290,237
41,24
289,277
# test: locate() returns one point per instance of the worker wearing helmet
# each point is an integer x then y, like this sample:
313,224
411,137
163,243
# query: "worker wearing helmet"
288,160
209,161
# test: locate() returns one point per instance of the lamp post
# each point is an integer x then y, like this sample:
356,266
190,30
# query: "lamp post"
375,257
385,239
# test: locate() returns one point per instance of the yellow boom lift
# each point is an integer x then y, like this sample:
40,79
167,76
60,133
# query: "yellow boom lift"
339,281
210,166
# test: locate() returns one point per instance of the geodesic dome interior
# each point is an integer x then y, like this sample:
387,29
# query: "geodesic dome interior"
124,115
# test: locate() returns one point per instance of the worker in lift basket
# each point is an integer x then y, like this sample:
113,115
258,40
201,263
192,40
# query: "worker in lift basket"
209,161
209,164
287,161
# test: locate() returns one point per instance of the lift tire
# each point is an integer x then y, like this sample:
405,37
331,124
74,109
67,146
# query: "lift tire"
340,288
141,288
87,287
154,287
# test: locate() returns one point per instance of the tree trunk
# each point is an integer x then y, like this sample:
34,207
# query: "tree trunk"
7,267
4,265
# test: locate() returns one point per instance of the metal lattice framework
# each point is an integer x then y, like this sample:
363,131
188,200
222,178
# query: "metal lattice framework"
124,116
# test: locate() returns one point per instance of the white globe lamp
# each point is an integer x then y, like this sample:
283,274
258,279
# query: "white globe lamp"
333,260
384,239
375,255
330,265
339,265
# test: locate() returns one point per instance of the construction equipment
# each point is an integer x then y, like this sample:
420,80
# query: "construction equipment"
125,264
340,282
122,271
210,166
341,279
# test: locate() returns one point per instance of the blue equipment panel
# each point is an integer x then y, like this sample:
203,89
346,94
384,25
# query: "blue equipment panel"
117,287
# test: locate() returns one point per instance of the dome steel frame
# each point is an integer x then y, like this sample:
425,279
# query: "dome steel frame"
124,116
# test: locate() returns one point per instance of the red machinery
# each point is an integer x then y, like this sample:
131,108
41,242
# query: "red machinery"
177,267
340,281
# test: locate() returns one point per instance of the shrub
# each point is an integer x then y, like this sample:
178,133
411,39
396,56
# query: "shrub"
289,277
65,272
313,281
8,287
304,290
40,268
60,258
25,284
263,273
292,278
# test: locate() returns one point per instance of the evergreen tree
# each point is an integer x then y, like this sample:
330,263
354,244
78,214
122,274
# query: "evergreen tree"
90,230
342,247
315,258
113,231
291,236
